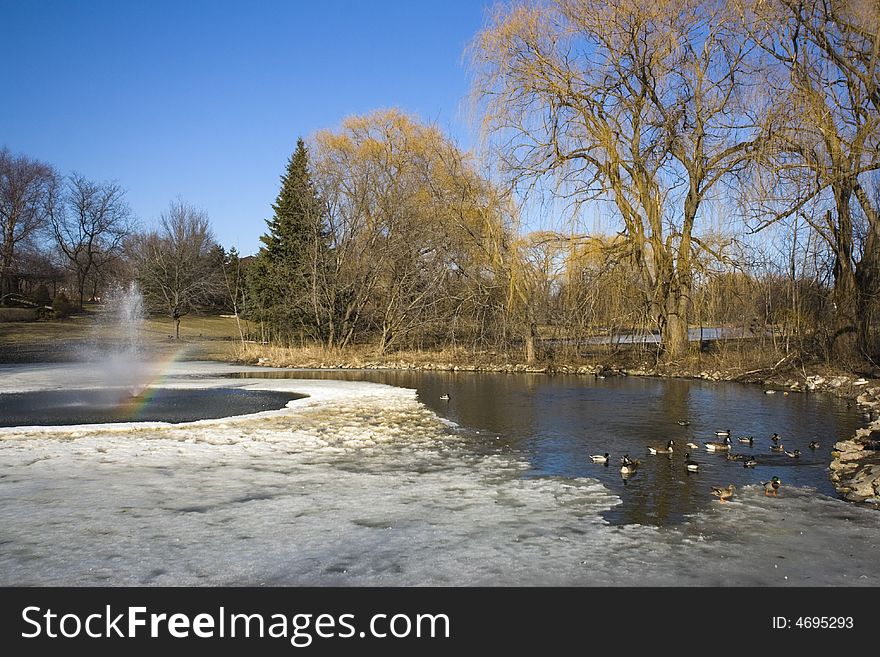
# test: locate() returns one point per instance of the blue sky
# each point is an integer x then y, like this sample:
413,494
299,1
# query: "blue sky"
204,100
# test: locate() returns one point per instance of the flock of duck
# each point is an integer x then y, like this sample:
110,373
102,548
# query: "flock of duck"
629,466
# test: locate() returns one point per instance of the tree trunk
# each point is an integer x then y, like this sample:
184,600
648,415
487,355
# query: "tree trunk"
844,339
867,276
386,338
81,288
177,328
674,334
530,344
867,279
6,267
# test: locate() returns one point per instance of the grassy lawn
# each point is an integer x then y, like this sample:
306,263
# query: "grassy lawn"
201,337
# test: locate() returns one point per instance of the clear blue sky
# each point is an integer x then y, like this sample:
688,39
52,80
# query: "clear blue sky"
204,100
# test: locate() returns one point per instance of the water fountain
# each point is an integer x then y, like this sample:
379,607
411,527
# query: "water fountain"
117,380
119,354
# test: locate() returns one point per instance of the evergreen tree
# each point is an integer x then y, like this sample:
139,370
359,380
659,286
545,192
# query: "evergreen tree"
282,274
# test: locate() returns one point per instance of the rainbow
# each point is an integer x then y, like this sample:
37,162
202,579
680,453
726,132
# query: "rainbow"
159,371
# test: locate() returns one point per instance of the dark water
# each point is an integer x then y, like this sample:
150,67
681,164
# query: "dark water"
556,422
95,406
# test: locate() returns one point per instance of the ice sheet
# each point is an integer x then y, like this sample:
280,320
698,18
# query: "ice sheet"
361,484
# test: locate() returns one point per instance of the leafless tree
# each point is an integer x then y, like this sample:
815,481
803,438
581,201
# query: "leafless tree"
408,219
90,220
640,105
26,190
174,268
824,141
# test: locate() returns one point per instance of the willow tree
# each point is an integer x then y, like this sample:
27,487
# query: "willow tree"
407,214
824,142
639,105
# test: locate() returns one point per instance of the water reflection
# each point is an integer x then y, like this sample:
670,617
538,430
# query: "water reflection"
556,422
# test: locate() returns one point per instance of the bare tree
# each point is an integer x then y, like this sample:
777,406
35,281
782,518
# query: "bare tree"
824,133
407,214
26,190
174,268
638,104
90,221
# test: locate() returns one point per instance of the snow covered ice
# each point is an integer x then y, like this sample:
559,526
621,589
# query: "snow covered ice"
360,484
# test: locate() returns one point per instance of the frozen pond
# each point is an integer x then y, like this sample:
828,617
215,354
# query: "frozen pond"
363,483
103,405
553,423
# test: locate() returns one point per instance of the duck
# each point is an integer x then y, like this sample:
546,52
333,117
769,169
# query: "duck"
750,462
771,487
723,493
662,450
747,440
600,458
722,433
683,423
795,454
692,445
775,437
777,448
690,466
627,465
814,445
445,396
734,457
723,446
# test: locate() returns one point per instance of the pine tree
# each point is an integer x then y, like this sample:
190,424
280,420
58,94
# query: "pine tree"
280,278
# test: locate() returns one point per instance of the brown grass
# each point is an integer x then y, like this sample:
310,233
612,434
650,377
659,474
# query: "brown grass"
217,338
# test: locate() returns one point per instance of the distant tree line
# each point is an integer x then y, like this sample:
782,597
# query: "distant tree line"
653,168
66,240
732,144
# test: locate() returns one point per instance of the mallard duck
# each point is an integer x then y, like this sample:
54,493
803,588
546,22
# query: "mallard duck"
683,423
814,445
734,457
690,466
662,450
747,440
724,493
692,445
775,437
445,397
795,454
777,448
723,446
771,487
750,462
722,433
600,458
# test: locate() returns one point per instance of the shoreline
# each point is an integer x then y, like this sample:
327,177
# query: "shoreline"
854,470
